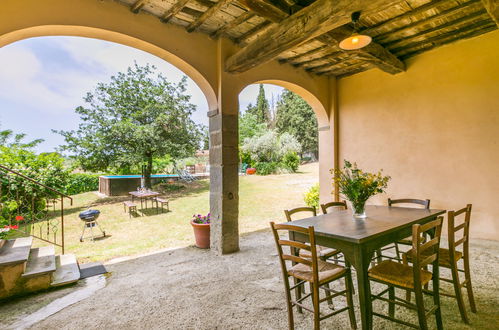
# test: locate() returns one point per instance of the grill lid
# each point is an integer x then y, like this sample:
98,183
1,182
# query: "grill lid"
89,214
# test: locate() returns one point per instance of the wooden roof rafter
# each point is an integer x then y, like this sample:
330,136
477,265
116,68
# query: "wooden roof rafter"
492,7
232,24
421,23
137,6
462,20
174,10
466,32
207,14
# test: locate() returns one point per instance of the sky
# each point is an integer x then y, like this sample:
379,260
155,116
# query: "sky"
43,79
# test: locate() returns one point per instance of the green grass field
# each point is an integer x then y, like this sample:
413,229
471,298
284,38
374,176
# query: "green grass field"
261,199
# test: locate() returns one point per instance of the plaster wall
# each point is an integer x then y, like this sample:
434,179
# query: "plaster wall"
434,129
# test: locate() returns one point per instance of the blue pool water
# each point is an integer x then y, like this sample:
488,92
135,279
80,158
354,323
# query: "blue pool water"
138,176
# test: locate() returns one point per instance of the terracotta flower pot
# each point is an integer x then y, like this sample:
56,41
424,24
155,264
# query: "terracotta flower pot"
250,171
201,234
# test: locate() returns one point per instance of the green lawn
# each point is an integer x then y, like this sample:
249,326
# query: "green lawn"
261,199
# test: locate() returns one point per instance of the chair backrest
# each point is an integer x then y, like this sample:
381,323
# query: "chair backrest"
335,205
294,247
425,253
306,209
453,228
423,202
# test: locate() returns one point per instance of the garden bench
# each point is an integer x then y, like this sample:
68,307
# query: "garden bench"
131,207
162,201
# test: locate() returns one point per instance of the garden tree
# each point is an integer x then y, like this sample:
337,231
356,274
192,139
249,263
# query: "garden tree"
296,117
262,109
206,137
249,126
137,116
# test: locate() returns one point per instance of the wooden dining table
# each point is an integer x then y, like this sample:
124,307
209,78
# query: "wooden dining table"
358,239
144,196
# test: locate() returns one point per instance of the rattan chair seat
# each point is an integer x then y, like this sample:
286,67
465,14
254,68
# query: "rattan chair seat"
443,256
327,272
322,252
408,241
397,274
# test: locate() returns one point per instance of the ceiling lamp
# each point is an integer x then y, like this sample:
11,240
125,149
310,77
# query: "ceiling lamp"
356,40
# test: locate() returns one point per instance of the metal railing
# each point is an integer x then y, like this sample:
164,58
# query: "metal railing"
32,208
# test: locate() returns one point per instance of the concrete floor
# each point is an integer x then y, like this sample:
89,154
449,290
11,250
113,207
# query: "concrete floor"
190,288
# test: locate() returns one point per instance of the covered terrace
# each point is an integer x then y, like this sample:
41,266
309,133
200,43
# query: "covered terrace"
420,101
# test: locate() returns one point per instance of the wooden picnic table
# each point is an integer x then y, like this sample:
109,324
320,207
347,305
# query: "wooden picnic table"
144,196
358,239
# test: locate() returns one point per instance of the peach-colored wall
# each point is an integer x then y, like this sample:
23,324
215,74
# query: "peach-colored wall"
434,128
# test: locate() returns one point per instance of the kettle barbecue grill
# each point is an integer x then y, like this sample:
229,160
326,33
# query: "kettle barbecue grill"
89,217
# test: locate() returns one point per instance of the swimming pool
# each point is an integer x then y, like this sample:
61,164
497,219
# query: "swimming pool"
138,176
121,185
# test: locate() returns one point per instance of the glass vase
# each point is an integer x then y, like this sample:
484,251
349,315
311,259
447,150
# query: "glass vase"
359,210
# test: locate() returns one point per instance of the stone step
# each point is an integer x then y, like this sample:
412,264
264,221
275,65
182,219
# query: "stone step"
41,261
15,251
67,270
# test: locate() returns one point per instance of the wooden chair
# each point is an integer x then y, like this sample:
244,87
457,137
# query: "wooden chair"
403,276
322,252
450,257
312,270
131,208
163,202
335,205
406,241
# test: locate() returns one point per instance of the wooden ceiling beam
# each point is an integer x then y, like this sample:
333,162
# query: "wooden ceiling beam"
310,22
137,6
423,22
315,61
340,70
353,71
465,19
174,10
300,57
207,14
492,7
232,24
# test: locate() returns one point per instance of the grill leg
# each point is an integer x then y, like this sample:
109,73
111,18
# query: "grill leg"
83,232
92,230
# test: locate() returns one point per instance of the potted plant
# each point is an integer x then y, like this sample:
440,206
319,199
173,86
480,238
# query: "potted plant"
201,226
358,186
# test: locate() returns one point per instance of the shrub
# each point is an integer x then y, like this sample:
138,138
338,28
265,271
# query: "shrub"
270,147
291,161
311,197
266,168
78,183
246,159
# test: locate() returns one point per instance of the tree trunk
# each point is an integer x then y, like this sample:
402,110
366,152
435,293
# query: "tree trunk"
147,174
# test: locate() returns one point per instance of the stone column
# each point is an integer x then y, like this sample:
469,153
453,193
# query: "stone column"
224,159
224,182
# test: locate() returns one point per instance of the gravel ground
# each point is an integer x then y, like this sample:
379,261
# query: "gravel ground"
190,288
